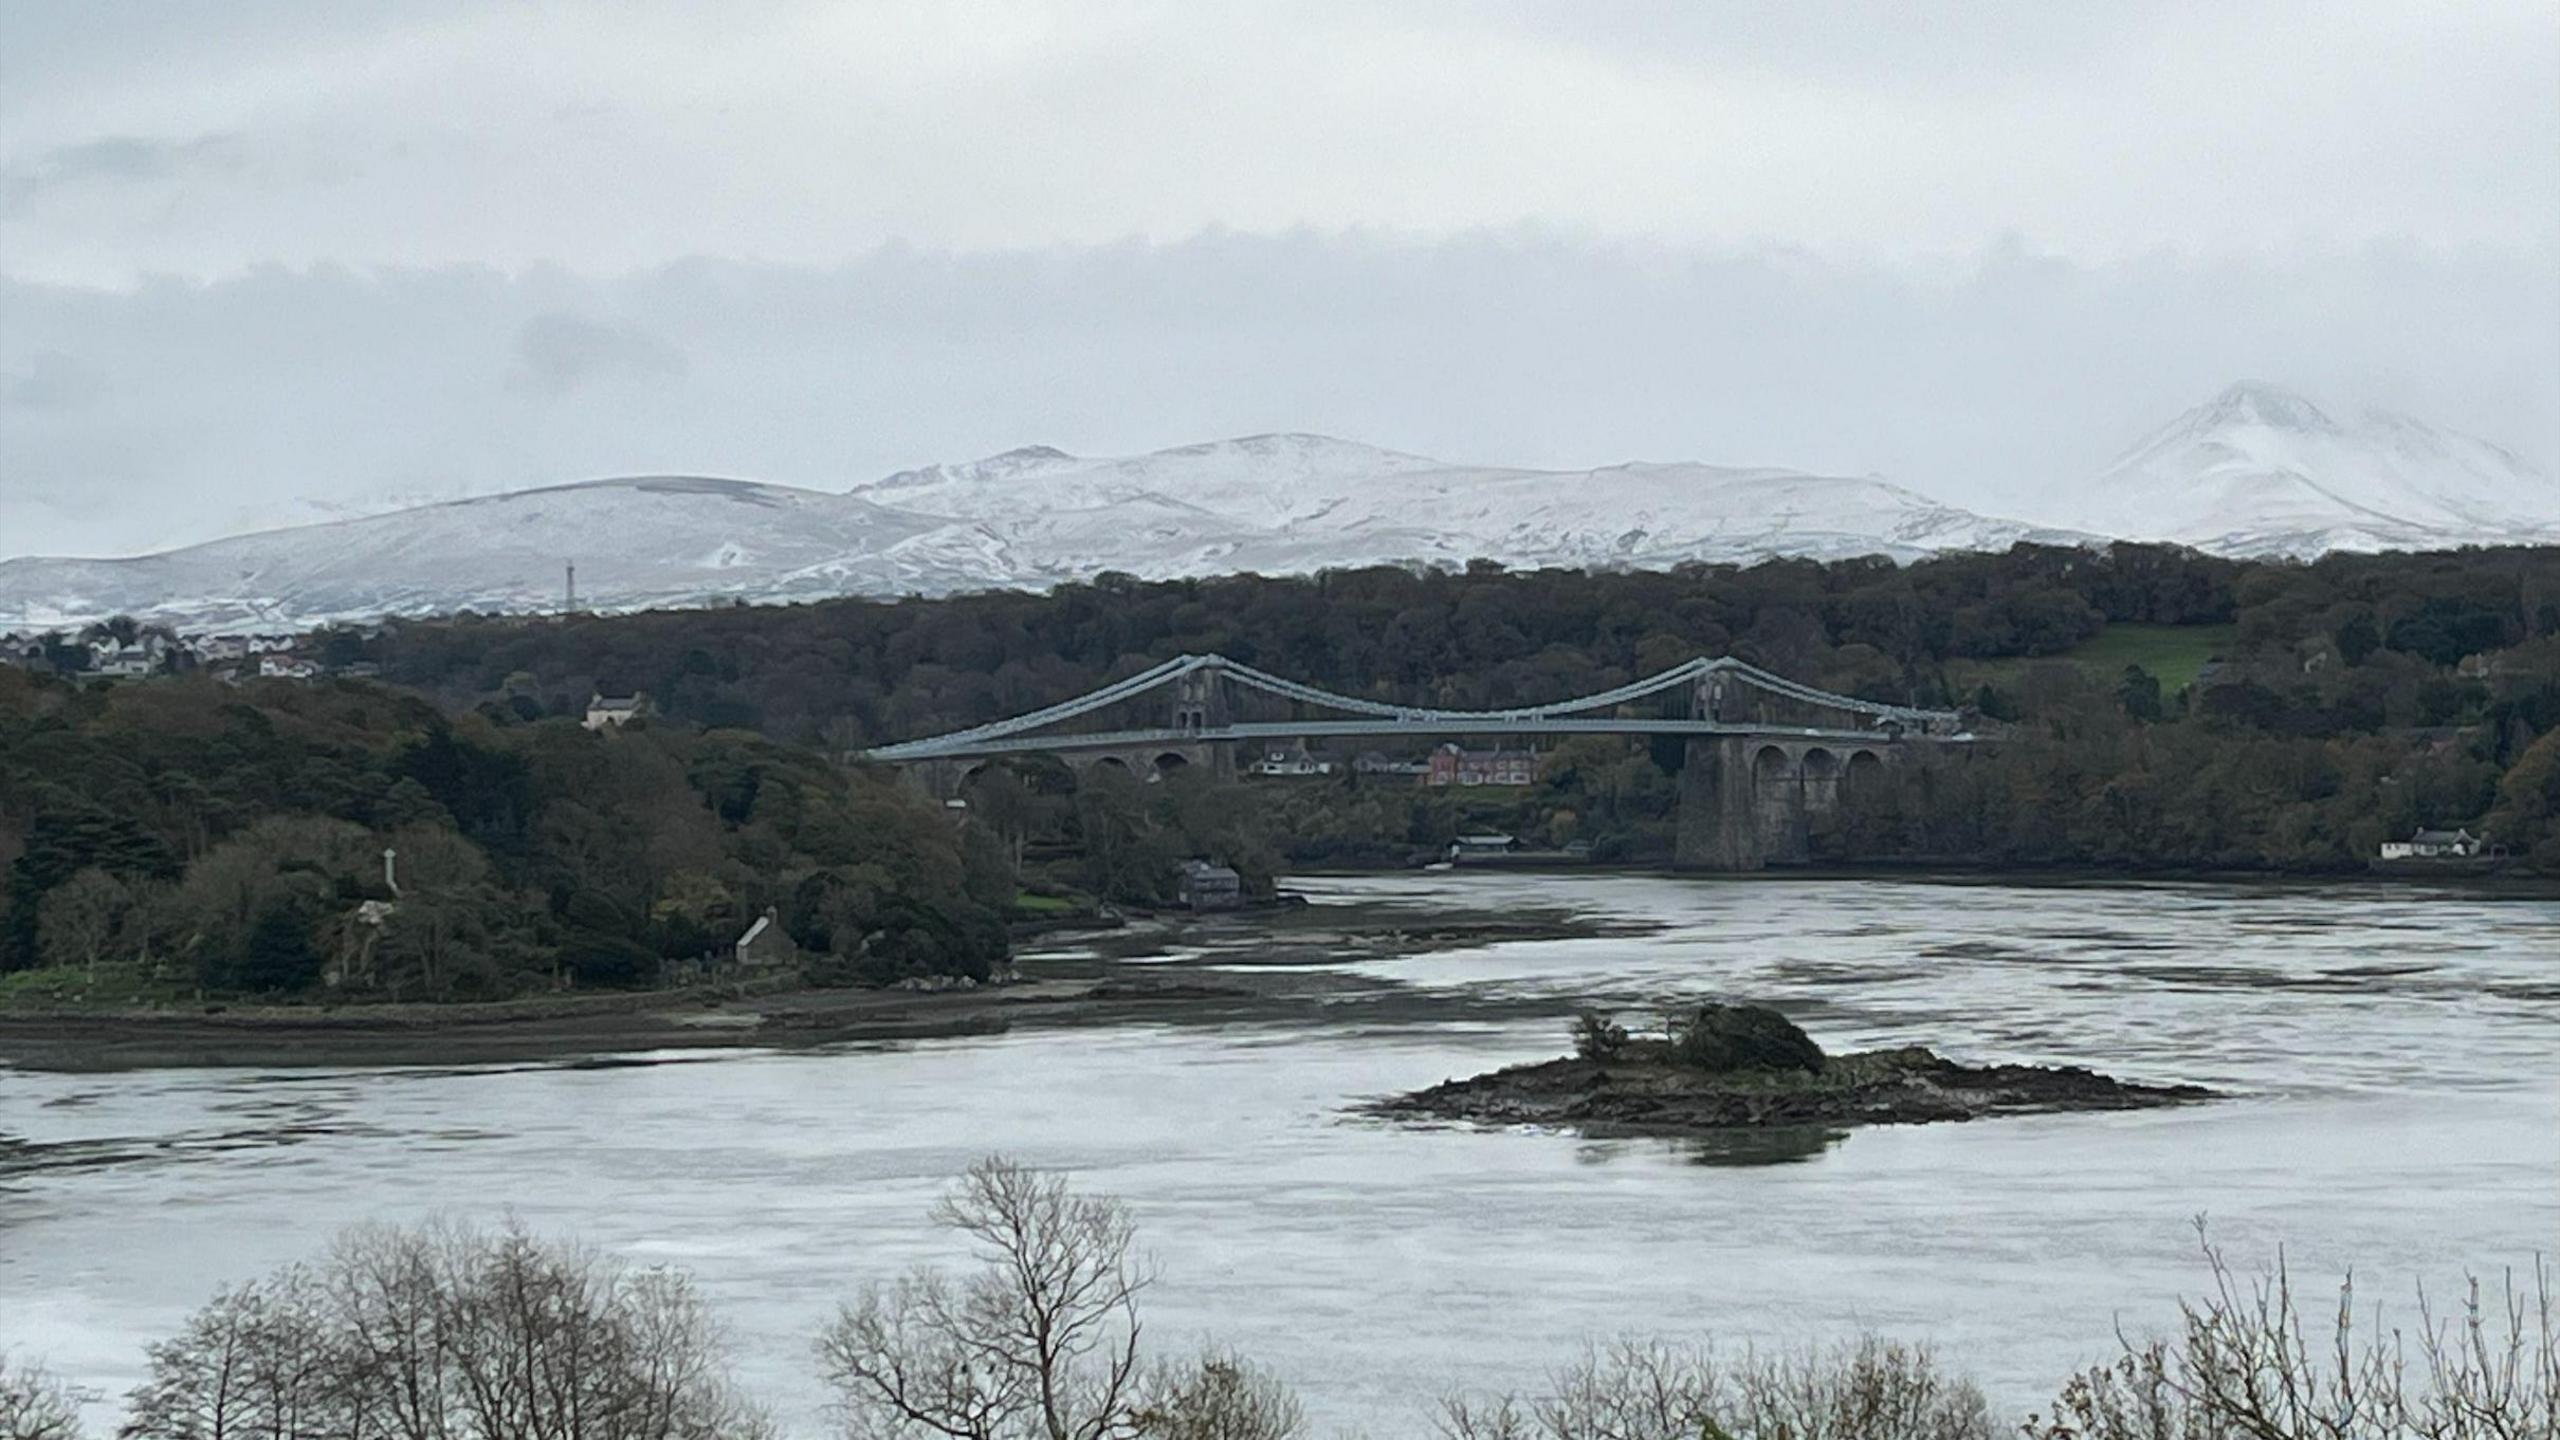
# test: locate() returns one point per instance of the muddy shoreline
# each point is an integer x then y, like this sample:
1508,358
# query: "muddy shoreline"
419,1035
1070,978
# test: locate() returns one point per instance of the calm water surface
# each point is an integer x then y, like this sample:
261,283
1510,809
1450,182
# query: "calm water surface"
2397,1059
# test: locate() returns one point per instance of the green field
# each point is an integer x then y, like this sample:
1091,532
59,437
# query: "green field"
2172,653
65,986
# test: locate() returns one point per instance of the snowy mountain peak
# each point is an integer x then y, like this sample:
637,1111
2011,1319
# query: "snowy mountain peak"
2260,469
636,484
1300,445
1022,460
1271,457
2255,402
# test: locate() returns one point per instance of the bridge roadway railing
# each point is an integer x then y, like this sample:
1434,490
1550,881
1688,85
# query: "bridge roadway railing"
959,747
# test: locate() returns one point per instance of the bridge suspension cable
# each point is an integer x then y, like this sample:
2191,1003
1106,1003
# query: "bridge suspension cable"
1145,680
1158,676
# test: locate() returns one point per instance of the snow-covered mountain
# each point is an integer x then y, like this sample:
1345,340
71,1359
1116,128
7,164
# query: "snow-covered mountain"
2255,471
1272,503
636,542
2259,470
1287,503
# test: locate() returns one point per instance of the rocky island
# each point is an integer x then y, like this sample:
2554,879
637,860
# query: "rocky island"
1724,1068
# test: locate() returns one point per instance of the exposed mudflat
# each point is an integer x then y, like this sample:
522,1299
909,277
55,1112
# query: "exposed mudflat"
1082,979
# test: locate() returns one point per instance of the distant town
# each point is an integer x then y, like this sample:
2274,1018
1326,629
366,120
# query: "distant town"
124,649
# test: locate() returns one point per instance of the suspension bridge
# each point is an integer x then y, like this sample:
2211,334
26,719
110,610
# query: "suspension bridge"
1763,755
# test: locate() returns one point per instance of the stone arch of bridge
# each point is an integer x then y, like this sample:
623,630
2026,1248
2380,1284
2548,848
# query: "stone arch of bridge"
1863,772
1044,772
1821,769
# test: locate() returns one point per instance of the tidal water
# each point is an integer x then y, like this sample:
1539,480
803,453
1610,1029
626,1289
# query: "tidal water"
2394,1059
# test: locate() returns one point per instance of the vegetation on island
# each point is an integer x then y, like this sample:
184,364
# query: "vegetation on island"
1715,1069
449,1330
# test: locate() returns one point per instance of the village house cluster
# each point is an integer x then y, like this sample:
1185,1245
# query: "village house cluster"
1449,764
125,650
121,649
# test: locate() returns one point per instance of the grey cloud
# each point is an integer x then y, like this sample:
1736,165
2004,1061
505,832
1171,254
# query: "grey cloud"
121,159
50,380
1993,382
613,139
558,353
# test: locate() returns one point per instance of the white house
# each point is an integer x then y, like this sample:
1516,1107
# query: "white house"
1293,760
2429,844
123,662
766,943
612,712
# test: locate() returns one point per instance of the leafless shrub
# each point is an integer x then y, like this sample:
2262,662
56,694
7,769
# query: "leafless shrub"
1870,1389
1219,1396
255,1361
34,1405
2244,1365
1041,1341
446,1331
1650,1390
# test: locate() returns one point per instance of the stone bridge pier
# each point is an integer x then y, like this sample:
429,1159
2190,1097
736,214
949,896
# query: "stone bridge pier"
1750,801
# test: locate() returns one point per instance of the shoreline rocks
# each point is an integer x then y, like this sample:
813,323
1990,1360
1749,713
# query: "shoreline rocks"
1735,1068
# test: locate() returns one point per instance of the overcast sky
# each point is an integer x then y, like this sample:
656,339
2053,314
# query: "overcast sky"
266,258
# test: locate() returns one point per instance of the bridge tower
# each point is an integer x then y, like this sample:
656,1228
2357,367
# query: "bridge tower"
1199,700
1749,801
1707,697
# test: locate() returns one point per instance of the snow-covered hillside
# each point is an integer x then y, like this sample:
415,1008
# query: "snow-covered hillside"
2255,471
1284,503
1272,503
636,542
2259,470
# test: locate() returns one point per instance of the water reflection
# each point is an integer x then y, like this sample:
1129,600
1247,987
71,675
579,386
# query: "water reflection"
1782,1146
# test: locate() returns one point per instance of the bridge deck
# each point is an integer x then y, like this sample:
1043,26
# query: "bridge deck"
1358,716
1420,728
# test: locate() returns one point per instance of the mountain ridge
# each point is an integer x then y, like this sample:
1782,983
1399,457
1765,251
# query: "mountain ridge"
2256,469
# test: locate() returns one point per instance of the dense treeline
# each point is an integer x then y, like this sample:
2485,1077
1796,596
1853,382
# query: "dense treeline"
858,672
180,835
2351,698
184,835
